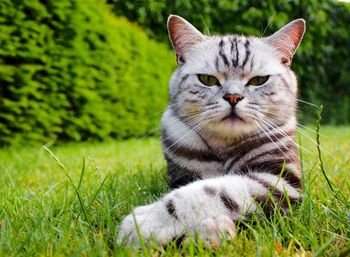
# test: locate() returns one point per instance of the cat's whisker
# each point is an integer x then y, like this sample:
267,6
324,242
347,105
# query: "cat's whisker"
263,130
276,118
278,140
306,102
300,130
268,24
190,124
272,116
313,131
279,132
286,135
172,120
152,130
191,119
195,129
212,114
305,134
263,104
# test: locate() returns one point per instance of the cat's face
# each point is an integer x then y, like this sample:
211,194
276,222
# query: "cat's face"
233,85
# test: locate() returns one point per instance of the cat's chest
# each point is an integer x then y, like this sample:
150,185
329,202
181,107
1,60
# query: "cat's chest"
223,161
229,159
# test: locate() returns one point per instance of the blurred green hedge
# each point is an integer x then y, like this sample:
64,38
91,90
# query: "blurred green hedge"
321,63
71,70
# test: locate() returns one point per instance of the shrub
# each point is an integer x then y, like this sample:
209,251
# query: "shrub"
321,62
71,70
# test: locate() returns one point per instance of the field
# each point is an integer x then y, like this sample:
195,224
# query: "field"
73,206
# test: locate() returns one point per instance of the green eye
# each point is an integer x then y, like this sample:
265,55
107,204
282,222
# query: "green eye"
208,80
258,80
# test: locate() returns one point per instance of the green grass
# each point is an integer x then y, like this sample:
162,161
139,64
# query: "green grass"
45,213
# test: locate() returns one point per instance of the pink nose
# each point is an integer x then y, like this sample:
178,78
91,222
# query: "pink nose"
233,99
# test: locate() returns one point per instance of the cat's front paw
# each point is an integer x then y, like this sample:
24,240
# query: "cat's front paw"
211,230
152,222
156,222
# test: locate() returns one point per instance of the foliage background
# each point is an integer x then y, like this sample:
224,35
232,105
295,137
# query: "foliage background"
75,70
72,70
321,63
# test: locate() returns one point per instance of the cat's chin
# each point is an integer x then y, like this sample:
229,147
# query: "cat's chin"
231,127
233,120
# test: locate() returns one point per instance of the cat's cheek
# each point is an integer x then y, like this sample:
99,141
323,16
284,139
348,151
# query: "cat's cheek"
190,109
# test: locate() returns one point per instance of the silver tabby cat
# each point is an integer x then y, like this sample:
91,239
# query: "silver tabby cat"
228,134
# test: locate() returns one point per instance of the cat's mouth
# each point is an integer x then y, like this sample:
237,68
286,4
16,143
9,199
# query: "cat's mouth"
232,117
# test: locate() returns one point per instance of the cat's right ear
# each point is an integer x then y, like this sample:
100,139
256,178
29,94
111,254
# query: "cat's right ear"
183,36
287,39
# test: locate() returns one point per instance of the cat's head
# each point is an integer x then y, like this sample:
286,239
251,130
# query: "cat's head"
233,85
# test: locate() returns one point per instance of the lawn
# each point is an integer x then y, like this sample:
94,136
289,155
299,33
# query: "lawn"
73,206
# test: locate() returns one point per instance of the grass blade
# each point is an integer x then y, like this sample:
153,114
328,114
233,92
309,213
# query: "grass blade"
81,174
318,126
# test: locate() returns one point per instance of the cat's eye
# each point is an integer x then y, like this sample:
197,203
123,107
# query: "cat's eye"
208,80
258,80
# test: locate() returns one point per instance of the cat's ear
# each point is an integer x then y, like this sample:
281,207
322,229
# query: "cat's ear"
182,35
287,39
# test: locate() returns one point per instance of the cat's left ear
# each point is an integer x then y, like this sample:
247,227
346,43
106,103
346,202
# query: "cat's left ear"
287,39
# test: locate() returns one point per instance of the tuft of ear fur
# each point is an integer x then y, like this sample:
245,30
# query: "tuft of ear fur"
183,35
287,39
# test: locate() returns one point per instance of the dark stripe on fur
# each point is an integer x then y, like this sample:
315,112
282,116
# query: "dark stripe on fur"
171,209
183,79
191,100
180,176
252,139
234,46
274,167
248,146
252,64
247,50
288,174
194,91
229,203
278,195
190,154
210,190
286,85
279,154
221,53
217,64
178,240
265,202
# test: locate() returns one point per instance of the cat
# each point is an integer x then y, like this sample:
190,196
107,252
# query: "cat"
227,134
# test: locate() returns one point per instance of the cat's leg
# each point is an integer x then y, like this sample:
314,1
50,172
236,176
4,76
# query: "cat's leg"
206,207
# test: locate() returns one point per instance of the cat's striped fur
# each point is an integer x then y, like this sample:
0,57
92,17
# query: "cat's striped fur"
226,157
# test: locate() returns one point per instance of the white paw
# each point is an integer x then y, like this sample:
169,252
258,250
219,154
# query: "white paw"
152,221
211,230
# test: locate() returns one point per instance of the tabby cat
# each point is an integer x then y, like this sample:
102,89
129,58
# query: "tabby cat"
228,134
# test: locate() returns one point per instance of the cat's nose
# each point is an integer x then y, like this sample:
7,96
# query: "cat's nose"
232,99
